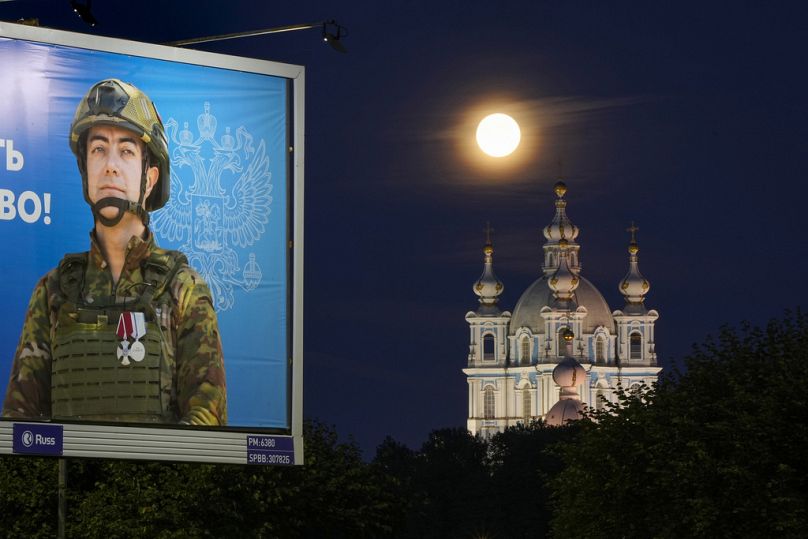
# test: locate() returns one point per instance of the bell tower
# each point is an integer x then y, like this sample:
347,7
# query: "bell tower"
488,349
635,323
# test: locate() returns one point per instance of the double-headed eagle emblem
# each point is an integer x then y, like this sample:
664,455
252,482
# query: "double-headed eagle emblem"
226,206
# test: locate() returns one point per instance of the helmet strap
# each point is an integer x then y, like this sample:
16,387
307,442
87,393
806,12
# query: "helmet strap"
141,205
123,206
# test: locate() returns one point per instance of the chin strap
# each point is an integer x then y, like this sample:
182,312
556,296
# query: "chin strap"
123,206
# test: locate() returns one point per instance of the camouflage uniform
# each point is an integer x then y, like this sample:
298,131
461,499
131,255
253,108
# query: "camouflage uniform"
191,378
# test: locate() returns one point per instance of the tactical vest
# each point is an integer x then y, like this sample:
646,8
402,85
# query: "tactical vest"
88,378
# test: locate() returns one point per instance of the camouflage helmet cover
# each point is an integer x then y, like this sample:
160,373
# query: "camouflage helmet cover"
119,104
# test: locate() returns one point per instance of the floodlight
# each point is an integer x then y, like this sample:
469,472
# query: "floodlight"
84,11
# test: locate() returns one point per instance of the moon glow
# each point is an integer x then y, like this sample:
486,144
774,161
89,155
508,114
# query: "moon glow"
498,135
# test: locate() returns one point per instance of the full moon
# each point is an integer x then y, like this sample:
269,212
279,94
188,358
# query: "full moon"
498,135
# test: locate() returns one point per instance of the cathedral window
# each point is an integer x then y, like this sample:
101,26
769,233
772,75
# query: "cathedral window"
488,403
561,344
600,350
525,357
599,399
526,404
488,347
635,350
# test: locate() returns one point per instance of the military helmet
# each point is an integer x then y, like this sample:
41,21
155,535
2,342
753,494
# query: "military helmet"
119,104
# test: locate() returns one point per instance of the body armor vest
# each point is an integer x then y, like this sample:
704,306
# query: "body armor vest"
89,379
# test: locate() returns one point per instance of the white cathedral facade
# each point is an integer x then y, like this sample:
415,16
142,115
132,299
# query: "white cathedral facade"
512,356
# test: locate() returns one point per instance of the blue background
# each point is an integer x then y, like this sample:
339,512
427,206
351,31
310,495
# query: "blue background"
40,87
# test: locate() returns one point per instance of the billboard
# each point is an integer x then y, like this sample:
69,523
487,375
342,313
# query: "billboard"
157,359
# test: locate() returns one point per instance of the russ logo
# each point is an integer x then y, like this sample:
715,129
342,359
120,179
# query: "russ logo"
28,438
38,439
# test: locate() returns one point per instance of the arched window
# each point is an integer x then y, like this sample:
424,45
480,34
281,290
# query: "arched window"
488,347
600,350
526,404
561,343
525,355
635,351
600,395
488,403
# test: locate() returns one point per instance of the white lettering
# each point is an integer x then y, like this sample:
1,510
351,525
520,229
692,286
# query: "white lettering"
263,458
261,442
7,210
14,158
28,206
44,440
25,215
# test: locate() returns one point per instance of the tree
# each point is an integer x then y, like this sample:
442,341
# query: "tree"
715,451
443,489
28,497
522,464
395,465
335,494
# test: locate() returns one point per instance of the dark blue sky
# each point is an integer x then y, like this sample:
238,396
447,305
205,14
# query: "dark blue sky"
688,118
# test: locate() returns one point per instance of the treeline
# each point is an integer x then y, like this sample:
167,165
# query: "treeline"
716,451
455,486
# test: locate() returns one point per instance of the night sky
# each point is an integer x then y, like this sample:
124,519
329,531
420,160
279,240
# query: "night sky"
689,119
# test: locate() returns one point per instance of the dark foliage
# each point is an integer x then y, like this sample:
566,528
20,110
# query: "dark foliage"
334,495
522,463
718,451
462,486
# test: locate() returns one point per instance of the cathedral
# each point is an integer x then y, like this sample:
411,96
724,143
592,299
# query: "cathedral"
563,349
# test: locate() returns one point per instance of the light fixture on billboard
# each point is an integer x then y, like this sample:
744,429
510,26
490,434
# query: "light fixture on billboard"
84,11
333,38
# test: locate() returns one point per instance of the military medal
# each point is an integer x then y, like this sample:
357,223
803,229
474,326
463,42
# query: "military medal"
123,352
131,325
137,351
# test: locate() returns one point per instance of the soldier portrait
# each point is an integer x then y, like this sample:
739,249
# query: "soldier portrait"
125,331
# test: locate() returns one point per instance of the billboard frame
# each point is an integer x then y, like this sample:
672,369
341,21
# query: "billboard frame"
174,442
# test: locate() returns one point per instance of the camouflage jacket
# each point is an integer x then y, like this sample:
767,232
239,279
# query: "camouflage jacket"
196,377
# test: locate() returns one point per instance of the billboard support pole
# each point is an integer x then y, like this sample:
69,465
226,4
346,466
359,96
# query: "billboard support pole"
62,497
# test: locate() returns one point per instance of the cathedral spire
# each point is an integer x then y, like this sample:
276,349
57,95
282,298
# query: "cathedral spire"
564,280
560,229
488,287
634,286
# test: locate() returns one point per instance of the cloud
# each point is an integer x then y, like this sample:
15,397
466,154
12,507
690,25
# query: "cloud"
432,152
537,114
552,112
570,136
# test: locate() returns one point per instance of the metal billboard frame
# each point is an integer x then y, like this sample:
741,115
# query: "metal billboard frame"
175,442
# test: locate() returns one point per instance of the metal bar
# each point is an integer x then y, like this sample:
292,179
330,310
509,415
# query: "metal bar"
249,33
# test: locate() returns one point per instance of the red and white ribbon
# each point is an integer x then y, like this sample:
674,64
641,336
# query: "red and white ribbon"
131,325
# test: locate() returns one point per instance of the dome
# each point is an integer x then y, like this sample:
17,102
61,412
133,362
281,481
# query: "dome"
634,286
561,227
563,281
564,411
488,287
569,373
538,295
